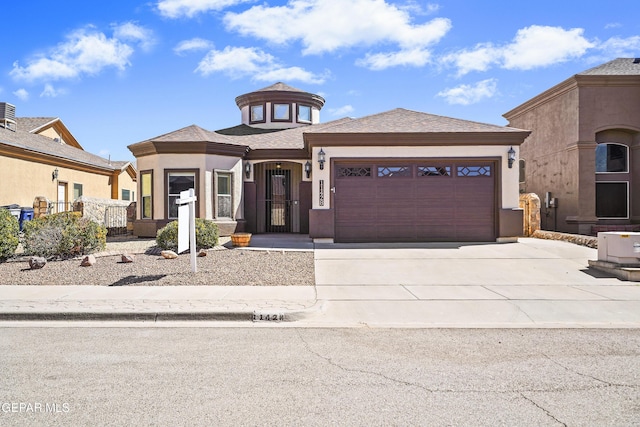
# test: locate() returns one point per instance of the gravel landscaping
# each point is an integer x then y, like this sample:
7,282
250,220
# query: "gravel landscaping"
221,266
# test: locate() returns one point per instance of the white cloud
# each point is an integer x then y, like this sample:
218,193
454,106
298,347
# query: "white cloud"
323,26
470,94
236,61
85,52
532,47
617,47
192,45
242,61
51,92
380,61
133,32
190,8
292,74
341,111
537,46
22,94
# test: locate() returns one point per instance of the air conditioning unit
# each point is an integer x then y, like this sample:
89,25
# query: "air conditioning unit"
8,116
619,247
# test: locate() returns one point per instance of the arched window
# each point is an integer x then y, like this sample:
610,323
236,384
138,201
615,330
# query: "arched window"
612,158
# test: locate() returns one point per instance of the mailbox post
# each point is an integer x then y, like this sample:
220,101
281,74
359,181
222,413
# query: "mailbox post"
187,225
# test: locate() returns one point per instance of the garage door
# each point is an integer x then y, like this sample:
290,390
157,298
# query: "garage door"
415,201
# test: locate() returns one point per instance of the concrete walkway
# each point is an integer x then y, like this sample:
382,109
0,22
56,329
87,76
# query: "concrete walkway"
532,283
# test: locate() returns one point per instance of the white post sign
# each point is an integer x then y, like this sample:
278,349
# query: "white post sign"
187,224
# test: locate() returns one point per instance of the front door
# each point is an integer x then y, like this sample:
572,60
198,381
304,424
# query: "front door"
62,197
278,201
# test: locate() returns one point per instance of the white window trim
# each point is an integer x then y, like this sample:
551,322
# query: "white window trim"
177,173
626,158
628,199
216,173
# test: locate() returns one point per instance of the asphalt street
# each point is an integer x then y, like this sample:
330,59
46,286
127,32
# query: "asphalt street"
304,376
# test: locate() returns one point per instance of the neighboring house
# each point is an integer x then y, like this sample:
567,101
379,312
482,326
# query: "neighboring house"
398,176
39,157
583,155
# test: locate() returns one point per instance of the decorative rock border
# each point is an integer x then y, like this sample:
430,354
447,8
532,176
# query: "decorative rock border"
589,241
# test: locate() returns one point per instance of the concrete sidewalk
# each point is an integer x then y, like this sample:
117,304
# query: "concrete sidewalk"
533,283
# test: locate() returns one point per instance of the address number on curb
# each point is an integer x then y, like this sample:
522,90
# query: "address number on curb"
267,317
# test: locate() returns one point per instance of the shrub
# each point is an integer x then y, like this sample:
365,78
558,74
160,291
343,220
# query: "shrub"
9,229
206,235
63,235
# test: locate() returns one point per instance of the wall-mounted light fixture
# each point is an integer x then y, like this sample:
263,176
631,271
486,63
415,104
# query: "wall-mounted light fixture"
278,165
247,170
307,168
511,157
54,174
321,159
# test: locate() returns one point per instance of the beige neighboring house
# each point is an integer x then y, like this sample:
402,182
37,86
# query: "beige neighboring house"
583,155
39,157
397,176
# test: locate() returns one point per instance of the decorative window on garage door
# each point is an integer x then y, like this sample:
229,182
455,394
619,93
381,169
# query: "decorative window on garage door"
345,172
471,171
434,171
394,171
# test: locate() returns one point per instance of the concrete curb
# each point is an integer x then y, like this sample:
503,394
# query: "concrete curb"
272,315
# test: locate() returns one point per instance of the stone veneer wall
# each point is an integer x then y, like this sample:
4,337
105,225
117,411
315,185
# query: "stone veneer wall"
589,241
96,210
530,204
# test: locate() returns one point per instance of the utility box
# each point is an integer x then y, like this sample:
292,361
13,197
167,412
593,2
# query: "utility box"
619,247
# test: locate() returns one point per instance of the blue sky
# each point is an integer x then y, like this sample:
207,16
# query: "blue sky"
119,72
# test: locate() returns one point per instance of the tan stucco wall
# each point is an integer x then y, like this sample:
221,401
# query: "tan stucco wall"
125,182
21,181
206,164
565,131
509,196
555,141
53,134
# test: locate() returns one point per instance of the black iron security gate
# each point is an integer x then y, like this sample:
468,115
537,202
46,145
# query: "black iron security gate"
278,200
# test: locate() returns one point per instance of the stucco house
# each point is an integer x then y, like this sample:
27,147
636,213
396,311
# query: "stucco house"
583,155
39,157
397,176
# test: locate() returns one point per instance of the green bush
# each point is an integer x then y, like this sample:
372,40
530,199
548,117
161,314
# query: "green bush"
206,235
63,235
9,230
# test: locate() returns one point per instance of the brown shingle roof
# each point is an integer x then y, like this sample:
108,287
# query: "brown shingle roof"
194,133
401,120
30,124
22,138
617,67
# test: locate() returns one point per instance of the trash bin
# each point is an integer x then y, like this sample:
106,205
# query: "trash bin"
26,214
14,210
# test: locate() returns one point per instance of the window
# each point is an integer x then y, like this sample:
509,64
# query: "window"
256,113
126,194
434,170
344,172
612,199
522,165
146,185
176,183
281,112
77,191
224,198
611,158
304,113
474,171
394,171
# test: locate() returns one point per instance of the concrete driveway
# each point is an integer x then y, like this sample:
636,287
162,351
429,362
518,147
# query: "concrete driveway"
532,283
